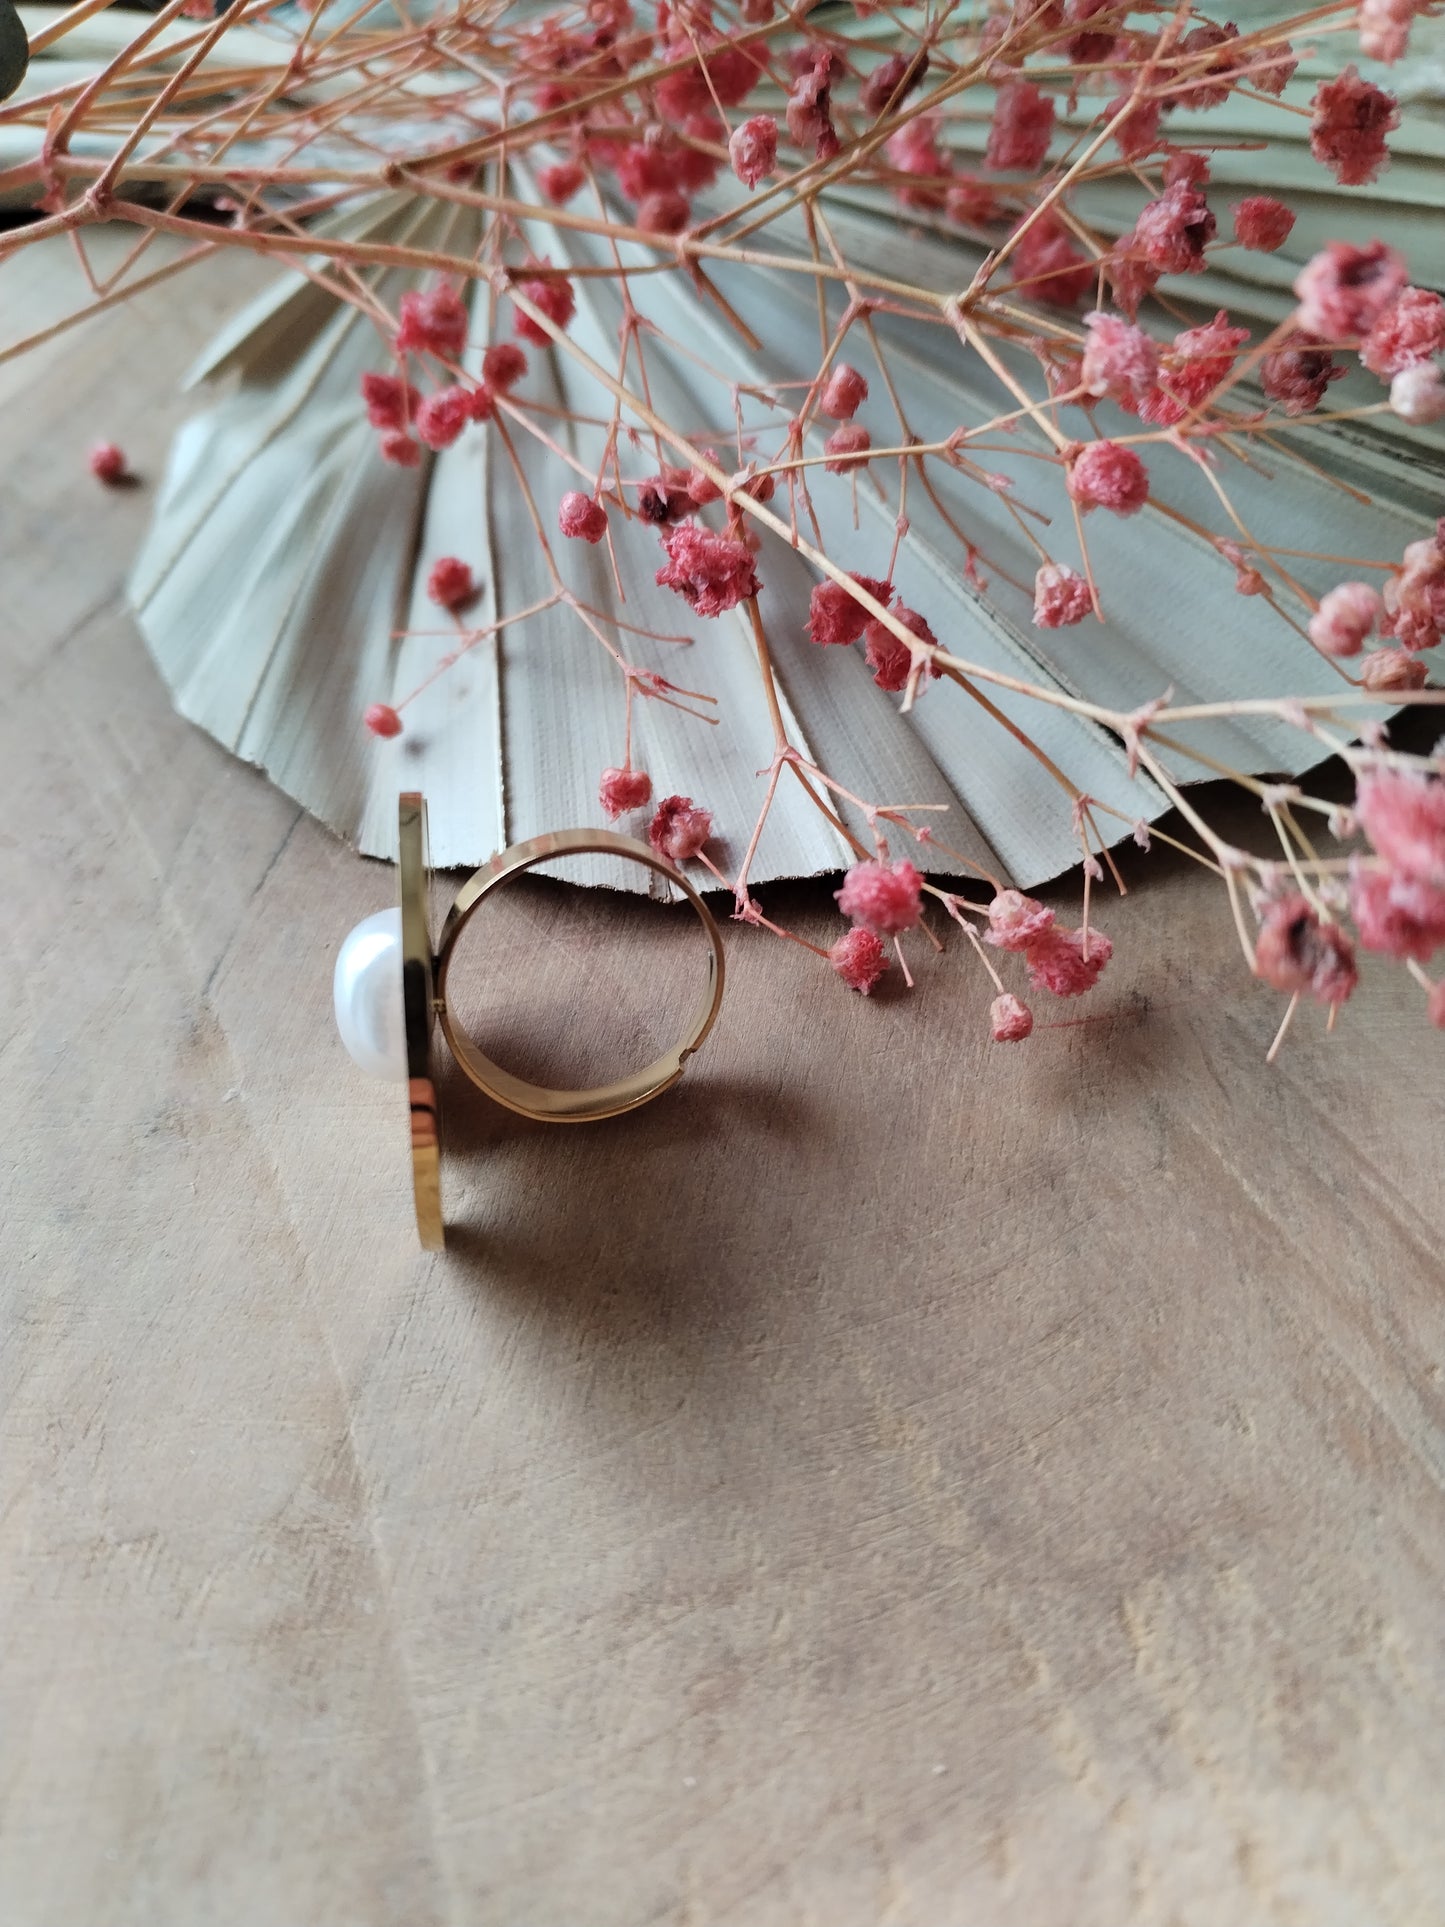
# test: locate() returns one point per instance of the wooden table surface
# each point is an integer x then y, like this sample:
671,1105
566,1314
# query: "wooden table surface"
893,1479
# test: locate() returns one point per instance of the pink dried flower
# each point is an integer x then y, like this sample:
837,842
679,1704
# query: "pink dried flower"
554,296
1049,264
886,79
1298,376
1344,290
382,720
1011,1020
1023,126
1399,915
1350,119
914,150
1172,232
433,322
1262,223
809,111
1222,73
753,149
666,212
1068,962
1015,922
702,488
390,401
1199,360
1417,395
450,584
885,897
441,417
1300,954
847,447
859,959
844,393
888,656
1411,330
561,182
621,790
1104,475
1402,812
1393,671
1119,360
503,365
108,464
1344,618
1385,28
834,616
1415,597
1061,597
400,450
712,572
581,520
1137,134
679,829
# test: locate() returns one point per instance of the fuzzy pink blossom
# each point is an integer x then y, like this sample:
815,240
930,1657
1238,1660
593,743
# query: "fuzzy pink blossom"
382,720
1198,361
1015,922
884,83
1297,376
390,402
835,617
1402,812
553,295
1393,671
1068,962
108,464
914,151
1049,264
1172,232
1010,1020
859,959
1414,596
666,212
1343,290
433,322
809,112
888,656
1385,27
753,149
1105,475
450,583
561,182
1061,597
1137,133
1411,330
441,417
580,518
1350,118
1023,126
1344,618
1297,952
844,393
1417,395
711,572
1262,223
400,450
847,447
885,897
503,365
1399,915
679,828
1213,83
1119,359
621,790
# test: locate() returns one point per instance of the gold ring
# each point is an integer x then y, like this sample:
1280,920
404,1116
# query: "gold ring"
390,1035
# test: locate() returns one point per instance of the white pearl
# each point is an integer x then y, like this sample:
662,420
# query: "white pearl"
367,989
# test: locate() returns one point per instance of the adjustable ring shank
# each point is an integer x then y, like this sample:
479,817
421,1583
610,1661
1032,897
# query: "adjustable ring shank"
541,1101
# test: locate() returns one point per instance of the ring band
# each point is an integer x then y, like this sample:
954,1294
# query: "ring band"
540,1101
424,979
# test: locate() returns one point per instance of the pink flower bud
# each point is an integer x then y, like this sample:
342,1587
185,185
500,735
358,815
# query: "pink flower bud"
885,897
679,829
1417,394
621,790
382,720
107,464
847,447
580,518
450,584
844,393
1344,618
1011,1020
753,149
1104,475
1262,223
859,959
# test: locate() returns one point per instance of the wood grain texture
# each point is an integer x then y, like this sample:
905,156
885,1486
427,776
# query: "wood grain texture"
892,1479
